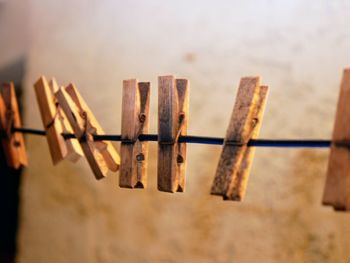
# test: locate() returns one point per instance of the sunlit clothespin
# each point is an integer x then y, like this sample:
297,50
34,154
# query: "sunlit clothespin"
173,100
55,123
100,155
337,188
12,142
135,121
232,173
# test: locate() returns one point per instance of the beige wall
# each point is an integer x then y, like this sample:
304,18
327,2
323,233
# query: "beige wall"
299,48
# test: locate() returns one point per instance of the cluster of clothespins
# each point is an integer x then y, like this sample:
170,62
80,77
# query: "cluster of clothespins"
72,131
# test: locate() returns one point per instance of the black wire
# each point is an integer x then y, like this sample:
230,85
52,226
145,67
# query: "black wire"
29,131
208,140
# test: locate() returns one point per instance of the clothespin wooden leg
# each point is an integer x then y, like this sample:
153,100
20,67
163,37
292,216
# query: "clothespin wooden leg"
173,99
236,158
135,120
55,123
13,142
337,187
182,86
100,155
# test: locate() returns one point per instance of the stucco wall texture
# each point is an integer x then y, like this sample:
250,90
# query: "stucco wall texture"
298,47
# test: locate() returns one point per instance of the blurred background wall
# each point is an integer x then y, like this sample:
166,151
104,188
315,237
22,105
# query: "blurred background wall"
298,47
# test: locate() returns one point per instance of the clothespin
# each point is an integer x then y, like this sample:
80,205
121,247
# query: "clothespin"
12,142
337,188
173,100
100,155
55,123
232,173
135,121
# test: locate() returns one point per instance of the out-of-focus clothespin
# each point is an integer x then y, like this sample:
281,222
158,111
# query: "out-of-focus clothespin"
12,142
135,121
233,170
173,109
100,155
337,188
55,123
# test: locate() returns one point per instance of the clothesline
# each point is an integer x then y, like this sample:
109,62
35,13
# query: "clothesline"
280,143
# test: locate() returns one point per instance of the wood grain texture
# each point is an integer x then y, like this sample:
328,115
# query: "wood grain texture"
183,89
337,187
74,151
167,109
45,99
13,143
237,189
235,160
100,155
135,121
172,99
55,123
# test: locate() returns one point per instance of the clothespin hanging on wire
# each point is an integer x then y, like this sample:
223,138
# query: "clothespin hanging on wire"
12,142
337,188
100,155
232,173
173,100
135,121
55,123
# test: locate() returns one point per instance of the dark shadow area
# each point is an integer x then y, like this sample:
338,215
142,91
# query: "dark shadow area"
10,178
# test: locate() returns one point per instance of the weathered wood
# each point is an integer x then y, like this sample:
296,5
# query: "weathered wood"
235,160
55,123
100,155
74,151
48,111
237,189
13,142
135,121
172,115
182,86
167,109
337,187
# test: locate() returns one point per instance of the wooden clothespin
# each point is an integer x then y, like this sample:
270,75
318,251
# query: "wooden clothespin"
337,188
236,158
12,142
100,155
55,123
173,100
135,120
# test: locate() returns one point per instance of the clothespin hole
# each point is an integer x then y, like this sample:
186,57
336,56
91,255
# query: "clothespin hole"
139,185
179,189
255,121
179,159
181,116
142,117
83,115
140,157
